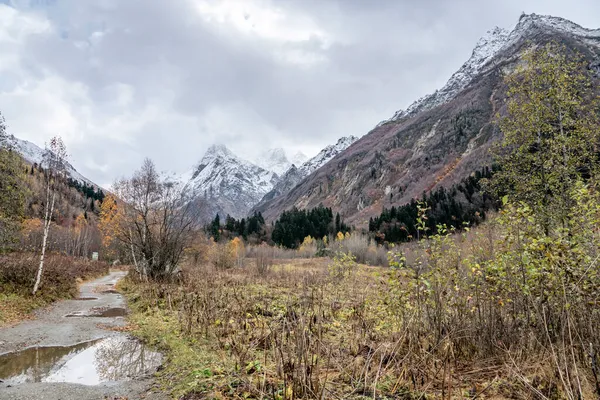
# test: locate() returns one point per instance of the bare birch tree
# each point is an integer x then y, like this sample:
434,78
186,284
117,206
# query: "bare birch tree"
155,220
55,156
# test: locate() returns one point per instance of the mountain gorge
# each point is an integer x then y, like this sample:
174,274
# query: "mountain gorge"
226,184
295,175
439,139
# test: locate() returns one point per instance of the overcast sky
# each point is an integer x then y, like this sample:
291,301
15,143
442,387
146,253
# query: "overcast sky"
120,80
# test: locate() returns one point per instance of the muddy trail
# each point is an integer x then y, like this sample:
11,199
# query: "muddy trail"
69,351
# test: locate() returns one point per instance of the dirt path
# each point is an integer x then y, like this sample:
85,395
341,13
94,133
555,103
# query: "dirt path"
64,353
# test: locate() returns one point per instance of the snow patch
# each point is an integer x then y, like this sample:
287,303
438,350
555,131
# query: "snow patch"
34,154
223,178
486,49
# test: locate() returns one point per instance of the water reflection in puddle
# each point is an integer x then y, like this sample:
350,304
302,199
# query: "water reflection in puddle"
88,363
100,312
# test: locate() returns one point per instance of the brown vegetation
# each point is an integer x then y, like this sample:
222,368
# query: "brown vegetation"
61,275
458,316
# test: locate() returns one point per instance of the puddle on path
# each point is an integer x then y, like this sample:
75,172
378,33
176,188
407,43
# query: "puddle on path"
86,298
106,360
100,313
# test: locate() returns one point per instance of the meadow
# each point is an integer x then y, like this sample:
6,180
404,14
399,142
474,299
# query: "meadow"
493,312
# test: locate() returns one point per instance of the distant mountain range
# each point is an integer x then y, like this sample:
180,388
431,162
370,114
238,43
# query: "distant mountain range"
221,181
226,184
437,141
295,175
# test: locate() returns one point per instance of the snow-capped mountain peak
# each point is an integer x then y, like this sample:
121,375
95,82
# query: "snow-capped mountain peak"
486,49
228,184
296,174
274,160
487,46
528,21
326,154
216,151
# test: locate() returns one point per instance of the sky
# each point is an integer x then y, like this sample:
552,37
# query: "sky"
121,80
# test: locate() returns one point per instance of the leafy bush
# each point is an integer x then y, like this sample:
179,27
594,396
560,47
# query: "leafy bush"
342,266
364,249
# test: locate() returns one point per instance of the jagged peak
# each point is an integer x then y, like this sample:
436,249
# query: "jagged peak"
529,22
526,20
486,49
346,140
490,43
216,150
328,152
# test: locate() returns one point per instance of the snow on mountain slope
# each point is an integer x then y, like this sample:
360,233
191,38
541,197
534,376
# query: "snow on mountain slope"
274,160
440,139
278,161
299,158
32,153
326,154
492,43
296,174
227,184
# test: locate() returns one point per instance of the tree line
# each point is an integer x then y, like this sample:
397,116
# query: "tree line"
88,191
294,225
244,227
463,204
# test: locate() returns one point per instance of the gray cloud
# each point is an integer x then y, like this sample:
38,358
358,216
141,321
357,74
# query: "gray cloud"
122,80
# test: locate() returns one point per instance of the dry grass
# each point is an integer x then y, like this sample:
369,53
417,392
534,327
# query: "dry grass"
298,331
455,316
363,248
61,277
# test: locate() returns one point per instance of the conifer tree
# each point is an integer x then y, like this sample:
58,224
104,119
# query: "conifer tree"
12,190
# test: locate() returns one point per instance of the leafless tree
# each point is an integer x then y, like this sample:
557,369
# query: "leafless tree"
157,220
55,157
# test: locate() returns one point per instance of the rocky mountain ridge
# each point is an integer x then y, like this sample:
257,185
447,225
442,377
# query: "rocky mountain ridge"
493,42
439,139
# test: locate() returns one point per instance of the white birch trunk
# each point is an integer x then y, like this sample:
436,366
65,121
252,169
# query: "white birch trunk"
47,219
135,263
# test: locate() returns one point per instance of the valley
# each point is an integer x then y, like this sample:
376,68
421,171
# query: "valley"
450,252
